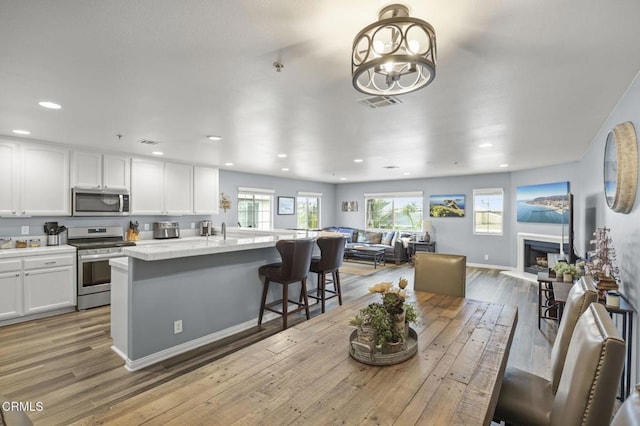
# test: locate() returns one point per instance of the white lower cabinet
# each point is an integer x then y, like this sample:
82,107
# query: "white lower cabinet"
11,291
36,284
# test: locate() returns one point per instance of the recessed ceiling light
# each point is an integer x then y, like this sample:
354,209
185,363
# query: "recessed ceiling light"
358,160
285,169
214,138
157,153
21,132
228,164
343,178
504,165
485,145
282,155
406,173
49,104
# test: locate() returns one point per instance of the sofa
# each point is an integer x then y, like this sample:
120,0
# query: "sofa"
393,242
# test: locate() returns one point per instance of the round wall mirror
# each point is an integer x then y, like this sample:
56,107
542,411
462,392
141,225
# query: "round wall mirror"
621,168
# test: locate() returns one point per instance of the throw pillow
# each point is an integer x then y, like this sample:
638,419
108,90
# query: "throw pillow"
362,237
387,238
374,237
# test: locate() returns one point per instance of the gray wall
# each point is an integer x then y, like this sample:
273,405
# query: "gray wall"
230,181
625,228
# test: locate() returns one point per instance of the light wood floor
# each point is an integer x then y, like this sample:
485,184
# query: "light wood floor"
66,361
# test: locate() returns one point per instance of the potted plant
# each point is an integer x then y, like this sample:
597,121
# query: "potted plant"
385,324
567,271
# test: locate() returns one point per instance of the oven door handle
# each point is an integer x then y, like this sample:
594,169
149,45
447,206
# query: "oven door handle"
86,257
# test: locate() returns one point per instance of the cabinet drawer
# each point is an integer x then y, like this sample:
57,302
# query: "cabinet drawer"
48,261
10,265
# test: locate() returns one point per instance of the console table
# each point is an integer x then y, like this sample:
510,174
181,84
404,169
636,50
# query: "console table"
414,246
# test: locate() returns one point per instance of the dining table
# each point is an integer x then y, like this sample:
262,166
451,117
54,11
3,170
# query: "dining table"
306,375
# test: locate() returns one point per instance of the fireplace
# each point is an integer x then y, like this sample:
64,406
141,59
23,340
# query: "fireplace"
535,255
554,240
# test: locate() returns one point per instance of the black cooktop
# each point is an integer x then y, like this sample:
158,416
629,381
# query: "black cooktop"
98,243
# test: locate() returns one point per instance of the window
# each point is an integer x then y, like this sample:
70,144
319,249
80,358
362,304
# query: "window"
401,211
488,211
255,208
308,210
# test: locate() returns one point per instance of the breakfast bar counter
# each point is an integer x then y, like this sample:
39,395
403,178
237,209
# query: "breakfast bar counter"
171,296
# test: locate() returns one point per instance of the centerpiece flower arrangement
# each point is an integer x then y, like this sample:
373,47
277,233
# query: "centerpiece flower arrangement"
567,271
385,325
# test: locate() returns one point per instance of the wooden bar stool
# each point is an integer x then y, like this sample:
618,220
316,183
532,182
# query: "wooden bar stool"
296,259
331,254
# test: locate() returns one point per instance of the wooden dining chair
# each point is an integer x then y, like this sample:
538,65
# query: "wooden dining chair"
440,273
587,387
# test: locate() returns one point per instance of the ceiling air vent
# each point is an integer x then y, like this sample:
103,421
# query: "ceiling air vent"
148,142
379,101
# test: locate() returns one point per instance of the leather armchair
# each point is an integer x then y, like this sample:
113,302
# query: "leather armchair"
629,412
441,273
587,387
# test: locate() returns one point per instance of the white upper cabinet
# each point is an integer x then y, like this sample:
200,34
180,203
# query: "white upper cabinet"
100,171
35,180
178,185
161,188
10,186
205,190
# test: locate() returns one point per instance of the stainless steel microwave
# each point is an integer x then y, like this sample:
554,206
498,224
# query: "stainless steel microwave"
98,202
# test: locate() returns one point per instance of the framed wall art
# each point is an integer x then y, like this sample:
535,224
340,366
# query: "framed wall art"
286,205
349,206
447,205
544,203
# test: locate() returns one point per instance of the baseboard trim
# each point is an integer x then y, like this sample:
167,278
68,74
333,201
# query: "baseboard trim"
486,266
140,363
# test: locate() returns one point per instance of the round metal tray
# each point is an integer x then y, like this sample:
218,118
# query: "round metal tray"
365,354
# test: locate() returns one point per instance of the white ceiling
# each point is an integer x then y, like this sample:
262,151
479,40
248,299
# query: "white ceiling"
535,78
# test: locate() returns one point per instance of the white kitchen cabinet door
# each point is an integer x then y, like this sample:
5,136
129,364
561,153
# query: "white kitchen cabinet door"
86,170
10,294
48,289
205,190
147,187
45,189
178,189
116,172
9,179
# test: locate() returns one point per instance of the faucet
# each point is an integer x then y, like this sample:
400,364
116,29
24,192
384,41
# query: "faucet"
224,230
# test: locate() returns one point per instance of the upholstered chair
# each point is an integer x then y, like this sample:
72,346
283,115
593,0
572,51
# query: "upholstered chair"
440,273
329,262
294,268
629,412
519,385
588,383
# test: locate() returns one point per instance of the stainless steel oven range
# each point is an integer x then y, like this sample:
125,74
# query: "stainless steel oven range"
96,245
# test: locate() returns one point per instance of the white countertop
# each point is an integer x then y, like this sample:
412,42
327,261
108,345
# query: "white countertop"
195,246
36,251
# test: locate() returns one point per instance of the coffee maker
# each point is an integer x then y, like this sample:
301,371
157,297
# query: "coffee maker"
206,227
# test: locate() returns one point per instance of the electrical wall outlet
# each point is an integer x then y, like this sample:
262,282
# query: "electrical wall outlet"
25,230
177,327
193,225
486,257
146,226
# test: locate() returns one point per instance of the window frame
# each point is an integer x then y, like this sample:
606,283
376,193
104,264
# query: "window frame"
308,196
392,197
488,192
261,193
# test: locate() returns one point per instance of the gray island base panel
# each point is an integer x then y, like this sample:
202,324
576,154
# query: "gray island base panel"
214,295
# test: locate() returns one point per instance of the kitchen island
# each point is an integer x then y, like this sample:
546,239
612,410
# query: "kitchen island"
176,295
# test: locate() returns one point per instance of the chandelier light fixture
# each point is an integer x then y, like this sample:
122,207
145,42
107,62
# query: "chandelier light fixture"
395,55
